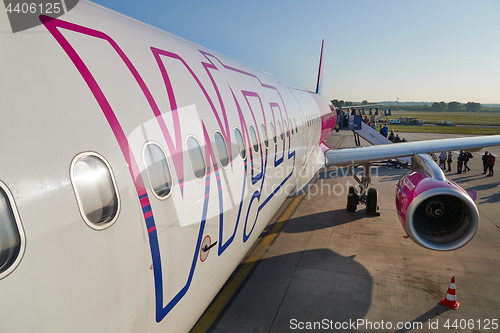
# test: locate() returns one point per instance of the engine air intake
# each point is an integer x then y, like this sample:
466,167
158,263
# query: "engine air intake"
441,218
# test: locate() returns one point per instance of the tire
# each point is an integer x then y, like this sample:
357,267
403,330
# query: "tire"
352,200
371,201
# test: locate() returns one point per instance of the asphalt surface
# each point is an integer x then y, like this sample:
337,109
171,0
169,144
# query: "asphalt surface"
323,269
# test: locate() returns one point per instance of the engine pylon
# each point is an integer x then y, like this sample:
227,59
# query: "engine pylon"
450,300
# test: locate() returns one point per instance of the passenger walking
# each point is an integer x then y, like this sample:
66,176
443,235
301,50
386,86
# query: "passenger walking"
366,120
384,130
467,157
435,158
442,161
374,125
449,160
391,136
460,162
346,118
491,164
485,162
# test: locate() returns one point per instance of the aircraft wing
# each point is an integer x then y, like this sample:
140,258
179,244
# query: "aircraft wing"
358,155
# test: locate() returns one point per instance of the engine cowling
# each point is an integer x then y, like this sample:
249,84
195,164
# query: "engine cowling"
435,212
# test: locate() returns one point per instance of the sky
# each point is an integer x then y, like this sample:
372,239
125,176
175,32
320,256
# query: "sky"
375,50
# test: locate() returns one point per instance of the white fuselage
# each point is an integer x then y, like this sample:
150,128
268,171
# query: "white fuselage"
95,83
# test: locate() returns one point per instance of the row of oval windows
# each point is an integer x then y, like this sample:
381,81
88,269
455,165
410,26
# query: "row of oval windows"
96,190
97,194
311,121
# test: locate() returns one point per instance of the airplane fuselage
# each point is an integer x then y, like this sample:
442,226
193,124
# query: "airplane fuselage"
142,168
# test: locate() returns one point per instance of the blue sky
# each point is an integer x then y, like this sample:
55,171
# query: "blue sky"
375,50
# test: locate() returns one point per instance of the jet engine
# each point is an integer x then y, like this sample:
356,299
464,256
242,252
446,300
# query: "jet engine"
435,212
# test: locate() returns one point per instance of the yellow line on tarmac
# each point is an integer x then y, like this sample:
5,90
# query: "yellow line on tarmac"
340,142
230,289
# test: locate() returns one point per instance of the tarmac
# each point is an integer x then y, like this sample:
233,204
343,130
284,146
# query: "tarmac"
319,268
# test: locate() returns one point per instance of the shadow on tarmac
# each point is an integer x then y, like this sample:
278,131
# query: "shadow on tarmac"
426,317
489,199
297,289
324,220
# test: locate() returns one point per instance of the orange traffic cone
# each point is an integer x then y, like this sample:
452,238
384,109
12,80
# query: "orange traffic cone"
450,300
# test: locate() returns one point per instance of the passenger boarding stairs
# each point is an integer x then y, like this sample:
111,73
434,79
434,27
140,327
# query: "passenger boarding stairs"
360,129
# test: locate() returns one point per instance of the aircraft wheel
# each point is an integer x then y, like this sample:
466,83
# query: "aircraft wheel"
352,200
371,201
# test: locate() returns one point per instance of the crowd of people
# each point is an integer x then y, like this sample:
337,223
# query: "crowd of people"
370,121
393,137
444,160
462,161
488,163
344,123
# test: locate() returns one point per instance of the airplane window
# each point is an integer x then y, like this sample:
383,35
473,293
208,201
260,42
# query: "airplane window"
273,131
285,129
12,241
291,126
264,135
95,190
157,170
241,143
280,130
296,128
196,157
253,137
220,144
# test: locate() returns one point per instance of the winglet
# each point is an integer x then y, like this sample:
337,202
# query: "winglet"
320,71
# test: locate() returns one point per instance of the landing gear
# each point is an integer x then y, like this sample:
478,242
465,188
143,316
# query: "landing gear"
367,196
352,199
371,202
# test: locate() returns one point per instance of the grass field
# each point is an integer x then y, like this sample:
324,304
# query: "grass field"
463,118
459,118
446,129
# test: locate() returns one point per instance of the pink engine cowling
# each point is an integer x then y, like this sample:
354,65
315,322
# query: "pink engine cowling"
435,212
